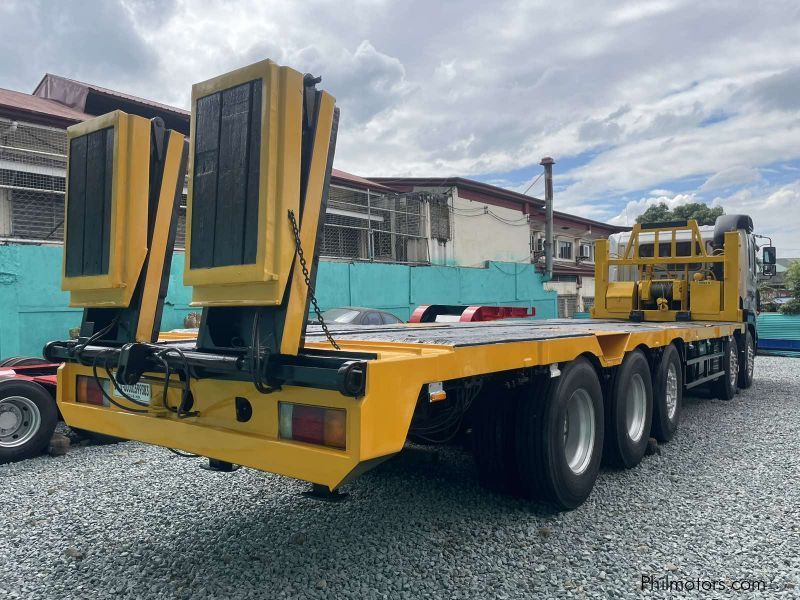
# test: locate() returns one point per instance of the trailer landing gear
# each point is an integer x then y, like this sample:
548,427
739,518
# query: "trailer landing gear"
220,466
324,493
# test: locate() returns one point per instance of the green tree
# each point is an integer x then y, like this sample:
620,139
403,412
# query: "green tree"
657,213
791,280
660,213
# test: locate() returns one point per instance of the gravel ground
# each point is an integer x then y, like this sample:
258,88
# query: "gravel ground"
720,502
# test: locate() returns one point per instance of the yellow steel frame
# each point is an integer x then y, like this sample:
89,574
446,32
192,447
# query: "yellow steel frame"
171,176
129,193
297,305
729,303
262,283
377,423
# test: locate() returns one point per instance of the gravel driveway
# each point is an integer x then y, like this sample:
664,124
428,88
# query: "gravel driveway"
720,503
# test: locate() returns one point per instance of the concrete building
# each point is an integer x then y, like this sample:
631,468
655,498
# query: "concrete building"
471,222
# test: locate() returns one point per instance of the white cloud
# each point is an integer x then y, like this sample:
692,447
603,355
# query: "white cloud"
638,11
634,208
758,138
653,91
729,177
775,212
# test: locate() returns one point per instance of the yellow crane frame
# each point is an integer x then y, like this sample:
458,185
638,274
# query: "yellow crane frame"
704,298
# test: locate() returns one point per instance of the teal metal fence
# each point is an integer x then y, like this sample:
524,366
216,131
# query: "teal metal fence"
778,333
35,310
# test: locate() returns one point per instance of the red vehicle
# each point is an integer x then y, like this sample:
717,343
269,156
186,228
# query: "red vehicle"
449,313
28,412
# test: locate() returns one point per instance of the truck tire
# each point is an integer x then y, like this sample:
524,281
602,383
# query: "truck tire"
493,446
629,412
667,394
747,360
23,361
559,436
28,417
724,387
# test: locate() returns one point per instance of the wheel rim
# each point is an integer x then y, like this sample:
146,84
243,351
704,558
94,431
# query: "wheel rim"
636,408
734,364
19,421
672,392
579,431
751,358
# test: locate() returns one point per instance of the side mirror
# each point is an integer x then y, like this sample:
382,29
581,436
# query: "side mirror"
768,261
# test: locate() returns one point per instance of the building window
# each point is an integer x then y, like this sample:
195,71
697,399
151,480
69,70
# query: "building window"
565,250
440,216
363,225
565,278
587,252
567,305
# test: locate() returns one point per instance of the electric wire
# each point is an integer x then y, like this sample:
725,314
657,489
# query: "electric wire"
255,356
103,389
446,426
183,454
81,346
117,387
139,410
181,411
527,189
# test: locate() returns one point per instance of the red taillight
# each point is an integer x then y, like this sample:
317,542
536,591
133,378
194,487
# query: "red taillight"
313,424
88,391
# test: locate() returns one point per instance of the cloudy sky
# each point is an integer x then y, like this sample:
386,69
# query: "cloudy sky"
664,100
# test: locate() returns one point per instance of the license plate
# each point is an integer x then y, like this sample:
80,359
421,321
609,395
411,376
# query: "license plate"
137,391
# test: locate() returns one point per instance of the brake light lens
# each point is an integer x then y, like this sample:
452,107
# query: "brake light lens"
88,391
313,424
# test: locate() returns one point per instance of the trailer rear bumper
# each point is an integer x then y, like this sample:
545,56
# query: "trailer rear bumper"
301,461
376,424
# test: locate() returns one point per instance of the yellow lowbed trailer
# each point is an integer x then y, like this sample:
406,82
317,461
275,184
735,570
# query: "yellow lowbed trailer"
544,401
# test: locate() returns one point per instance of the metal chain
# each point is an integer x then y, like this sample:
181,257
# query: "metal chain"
304,266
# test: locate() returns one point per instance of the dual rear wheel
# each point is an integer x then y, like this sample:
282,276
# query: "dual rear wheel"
545,441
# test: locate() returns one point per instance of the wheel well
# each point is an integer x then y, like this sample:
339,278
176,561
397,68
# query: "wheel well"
648,354
595,362
680,344
740,335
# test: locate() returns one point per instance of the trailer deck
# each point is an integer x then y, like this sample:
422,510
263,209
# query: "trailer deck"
497,332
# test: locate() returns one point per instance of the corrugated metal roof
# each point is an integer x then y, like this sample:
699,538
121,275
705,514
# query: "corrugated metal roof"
348,179
51,82
39,108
